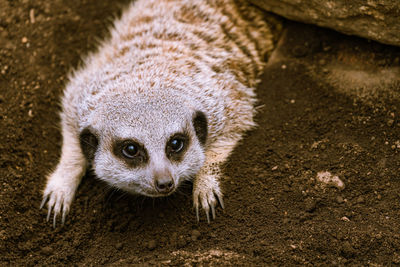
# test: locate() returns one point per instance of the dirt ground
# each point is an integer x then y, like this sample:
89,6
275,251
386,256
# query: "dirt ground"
328,102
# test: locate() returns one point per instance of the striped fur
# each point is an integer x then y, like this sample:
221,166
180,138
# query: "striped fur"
165,60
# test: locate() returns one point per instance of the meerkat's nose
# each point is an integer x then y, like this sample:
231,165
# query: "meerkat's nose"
164,184
163,180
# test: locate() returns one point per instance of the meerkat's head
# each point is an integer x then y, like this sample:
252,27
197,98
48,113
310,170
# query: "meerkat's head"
146,146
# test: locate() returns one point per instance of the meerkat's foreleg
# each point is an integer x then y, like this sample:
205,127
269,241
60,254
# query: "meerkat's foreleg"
63,182
206,188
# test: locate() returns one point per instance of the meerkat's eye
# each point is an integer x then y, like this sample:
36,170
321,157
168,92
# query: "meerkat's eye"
176,144
133,153
130,151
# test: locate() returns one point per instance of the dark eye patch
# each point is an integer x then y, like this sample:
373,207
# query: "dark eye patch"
89,143
200,126
131,152
176,146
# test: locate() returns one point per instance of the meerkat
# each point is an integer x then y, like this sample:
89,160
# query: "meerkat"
165,99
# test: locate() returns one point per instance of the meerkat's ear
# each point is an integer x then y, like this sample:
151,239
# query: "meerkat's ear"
200,126
89,143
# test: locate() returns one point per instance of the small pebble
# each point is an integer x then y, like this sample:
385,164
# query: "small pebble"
24,40
378,236
332,180
47,250
119,246
152,244
195,235
345,219
339,199
310,205
390,122
360,200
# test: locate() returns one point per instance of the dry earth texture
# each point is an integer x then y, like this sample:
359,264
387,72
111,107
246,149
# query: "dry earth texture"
328,103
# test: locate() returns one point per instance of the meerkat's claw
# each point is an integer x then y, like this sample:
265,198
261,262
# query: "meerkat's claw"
64,215
55,206
220,201
44,200
208,198
58,197
213,212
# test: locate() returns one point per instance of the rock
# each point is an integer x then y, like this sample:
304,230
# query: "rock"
374,19
326,178
345,219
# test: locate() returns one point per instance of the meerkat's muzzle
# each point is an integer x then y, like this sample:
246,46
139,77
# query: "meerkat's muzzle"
163,181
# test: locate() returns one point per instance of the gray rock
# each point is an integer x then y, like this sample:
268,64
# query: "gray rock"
373,19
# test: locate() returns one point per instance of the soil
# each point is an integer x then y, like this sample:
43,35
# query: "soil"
327,103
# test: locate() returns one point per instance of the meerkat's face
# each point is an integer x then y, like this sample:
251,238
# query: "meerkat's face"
148,149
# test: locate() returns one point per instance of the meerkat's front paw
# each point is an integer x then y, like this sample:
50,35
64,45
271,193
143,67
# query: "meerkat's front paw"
58,195
207,192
